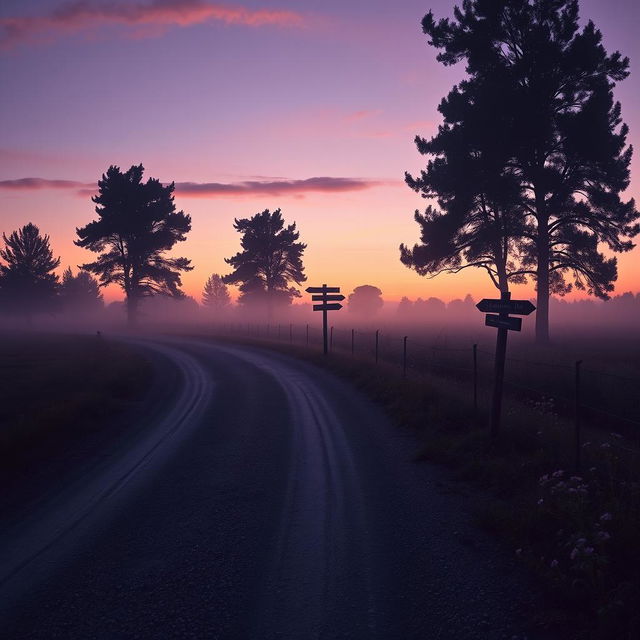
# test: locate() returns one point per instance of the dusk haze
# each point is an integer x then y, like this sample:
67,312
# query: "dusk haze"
320,320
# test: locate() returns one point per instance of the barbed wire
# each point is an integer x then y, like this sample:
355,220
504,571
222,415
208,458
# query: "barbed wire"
613,375
610,414
289,333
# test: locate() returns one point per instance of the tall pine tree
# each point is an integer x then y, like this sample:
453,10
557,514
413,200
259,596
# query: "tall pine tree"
541,88
27,282
270,262
137,224
215,295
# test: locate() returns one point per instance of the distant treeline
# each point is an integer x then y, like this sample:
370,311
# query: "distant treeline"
623,309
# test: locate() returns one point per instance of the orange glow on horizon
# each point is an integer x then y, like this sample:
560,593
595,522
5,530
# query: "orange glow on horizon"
352,239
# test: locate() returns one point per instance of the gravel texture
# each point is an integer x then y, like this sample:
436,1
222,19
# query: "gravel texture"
266,500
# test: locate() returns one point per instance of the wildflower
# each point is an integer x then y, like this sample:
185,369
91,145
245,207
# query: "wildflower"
605,445
605,517
518,552
554,564
558,474
541,501
588,551
602,536
574,553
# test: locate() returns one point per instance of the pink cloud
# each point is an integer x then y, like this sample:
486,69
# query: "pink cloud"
144,20
32,184
278,187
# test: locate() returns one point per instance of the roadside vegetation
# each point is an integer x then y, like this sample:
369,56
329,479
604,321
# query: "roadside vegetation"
576,530
56,389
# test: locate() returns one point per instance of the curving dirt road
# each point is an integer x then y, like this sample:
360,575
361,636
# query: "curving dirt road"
270,500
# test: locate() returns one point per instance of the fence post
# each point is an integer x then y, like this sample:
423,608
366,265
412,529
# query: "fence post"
475,381
404,357
291,333
353,342
377,341
577,414
331,340
307,334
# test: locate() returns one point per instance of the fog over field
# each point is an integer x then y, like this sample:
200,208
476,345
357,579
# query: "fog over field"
429,315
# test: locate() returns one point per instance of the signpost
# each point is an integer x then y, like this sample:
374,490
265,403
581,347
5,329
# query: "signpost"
330,299
516,307
513,324
504,323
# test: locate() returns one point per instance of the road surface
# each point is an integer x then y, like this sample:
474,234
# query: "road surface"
261,498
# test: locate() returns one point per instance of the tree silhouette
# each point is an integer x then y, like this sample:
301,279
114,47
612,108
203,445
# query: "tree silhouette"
365,300
215,294
270,260
479,218
430,309
405,307
27,282
461,310
542,91
80,293
137,223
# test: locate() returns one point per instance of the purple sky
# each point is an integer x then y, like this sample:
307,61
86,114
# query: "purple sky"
321,100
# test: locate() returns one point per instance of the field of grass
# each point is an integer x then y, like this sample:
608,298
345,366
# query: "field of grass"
57,389
577,530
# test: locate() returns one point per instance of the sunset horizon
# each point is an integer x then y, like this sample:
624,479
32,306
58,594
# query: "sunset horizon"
237,141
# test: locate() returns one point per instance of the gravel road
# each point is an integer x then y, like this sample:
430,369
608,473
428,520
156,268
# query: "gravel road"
266,500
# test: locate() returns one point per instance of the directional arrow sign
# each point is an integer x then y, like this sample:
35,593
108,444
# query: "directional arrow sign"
519,307
513,324
326,298
327,307
322,289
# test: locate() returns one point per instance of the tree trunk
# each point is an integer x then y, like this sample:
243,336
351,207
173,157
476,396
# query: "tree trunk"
503,281
500,263
269,308
132,310
542,278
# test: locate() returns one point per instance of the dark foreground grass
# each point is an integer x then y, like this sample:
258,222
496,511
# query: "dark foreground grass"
578,531
56,389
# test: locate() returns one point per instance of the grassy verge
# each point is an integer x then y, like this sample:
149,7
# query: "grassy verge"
576,530
56,389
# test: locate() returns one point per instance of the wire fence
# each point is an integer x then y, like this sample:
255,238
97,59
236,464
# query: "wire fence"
584,396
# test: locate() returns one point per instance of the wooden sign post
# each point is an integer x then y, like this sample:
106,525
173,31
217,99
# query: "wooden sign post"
329,302
504,323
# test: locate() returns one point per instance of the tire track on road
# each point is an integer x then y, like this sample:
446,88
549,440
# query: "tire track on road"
320,547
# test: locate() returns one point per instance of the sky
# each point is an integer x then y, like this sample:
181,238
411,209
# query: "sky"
309,106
